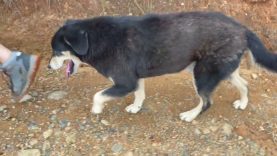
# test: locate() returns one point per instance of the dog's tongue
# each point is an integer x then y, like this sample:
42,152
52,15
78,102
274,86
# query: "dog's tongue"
69,68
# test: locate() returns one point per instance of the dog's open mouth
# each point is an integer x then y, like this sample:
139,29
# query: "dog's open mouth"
70,68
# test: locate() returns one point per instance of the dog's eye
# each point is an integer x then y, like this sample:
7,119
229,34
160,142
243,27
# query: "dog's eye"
57,53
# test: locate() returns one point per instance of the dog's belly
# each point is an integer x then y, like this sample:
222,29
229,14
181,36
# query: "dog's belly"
164,69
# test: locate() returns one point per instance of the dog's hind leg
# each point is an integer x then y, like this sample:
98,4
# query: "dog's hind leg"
193,113
241,85
207,76
204,102
139,98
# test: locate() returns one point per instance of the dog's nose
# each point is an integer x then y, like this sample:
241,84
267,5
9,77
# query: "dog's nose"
49,67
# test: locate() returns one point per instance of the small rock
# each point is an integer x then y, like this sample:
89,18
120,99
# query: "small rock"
63,123
47,133
128,153
55,111
29,152
105,122
35,94
117,148
46,148
214,120
213,128
206,131
254,76
57,95
185,151
70,138
33,126
33,142
67,128
52,125
194,122
25,98
74,152
197,131
31,135
2,108
53,117
57,133
13,101
227,129
82,127
254,147
240,137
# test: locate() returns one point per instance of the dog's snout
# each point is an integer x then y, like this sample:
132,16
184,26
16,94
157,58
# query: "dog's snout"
49,66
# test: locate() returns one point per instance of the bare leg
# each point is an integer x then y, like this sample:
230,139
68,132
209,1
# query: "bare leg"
5,54
139,98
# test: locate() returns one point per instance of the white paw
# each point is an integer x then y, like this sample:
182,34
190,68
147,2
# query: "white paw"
238,104
133,108
188,116
96,109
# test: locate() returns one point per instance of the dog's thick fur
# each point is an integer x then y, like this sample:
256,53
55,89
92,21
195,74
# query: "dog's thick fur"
129,49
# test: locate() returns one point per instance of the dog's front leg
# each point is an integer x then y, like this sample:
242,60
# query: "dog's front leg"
116,91
98,101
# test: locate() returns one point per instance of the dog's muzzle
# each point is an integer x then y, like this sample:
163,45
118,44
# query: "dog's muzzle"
56,62
73,64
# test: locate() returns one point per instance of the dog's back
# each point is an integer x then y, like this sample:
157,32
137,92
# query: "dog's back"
173,41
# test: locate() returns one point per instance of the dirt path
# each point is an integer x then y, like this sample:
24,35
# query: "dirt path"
156,129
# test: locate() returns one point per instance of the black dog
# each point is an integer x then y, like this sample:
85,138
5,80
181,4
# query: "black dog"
129,49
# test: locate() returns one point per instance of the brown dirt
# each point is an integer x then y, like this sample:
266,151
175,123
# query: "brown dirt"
156,130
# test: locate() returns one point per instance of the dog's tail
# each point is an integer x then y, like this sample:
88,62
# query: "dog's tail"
261,55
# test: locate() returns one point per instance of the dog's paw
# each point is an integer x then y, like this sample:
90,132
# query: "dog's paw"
133,108
96,109
238,104
188,116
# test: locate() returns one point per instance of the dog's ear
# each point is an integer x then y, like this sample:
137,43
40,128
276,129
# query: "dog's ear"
71,21
78,41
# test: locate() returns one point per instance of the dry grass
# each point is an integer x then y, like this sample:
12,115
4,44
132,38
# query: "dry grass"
6,5
259,15
8,2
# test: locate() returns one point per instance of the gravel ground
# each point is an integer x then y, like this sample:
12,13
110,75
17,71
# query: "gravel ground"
54,119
